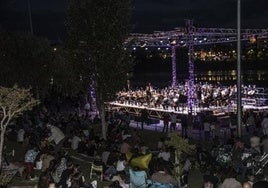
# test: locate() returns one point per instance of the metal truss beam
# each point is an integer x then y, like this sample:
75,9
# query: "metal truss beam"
189,37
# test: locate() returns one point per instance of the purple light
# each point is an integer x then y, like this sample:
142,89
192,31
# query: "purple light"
174,67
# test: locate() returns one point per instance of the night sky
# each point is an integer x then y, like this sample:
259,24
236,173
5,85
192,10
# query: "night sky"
49,16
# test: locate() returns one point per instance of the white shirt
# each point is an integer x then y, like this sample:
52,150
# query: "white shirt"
120,165
254,141
164,155
264,125
75,142
87,106
56,134
20,135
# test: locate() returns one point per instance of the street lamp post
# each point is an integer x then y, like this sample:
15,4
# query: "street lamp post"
30,16
239,104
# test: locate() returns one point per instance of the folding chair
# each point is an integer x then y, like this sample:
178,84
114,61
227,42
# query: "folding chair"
96,169
161,185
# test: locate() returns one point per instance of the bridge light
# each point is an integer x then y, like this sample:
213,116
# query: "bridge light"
173,42
252,39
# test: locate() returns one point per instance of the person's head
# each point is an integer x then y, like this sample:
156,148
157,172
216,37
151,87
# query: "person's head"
48,125
69,164
246,185
208,184
51,185
115,184
161,167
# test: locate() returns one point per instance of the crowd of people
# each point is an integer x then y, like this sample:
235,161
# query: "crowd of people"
47,136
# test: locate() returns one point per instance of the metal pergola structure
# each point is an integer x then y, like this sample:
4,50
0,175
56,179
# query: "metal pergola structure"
189,37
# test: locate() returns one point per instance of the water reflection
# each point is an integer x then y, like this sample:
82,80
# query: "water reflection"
226,77
248,76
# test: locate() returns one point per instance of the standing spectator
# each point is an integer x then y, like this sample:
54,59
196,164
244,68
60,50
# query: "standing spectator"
29,161
264,144
87,108
20,135
173,121
144,117
184,126
264,125
206,129
165,122
75,142
189,125
213,130
237,153
255,142
251,123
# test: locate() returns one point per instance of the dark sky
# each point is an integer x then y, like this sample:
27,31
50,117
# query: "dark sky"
49,16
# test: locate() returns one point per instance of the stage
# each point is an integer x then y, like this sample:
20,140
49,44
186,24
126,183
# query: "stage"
159,112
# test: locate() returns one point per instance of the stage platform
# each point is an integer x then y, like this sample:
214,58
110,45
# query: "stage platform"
160,112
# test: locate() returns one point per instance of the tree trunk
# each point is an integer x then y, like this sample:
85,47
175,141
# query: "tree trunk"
103,122
177,165
2,137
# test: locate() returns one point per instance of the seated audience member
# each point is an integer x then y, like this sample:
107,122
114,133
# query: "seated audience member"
212,178
46,157
121,164
75,142
230,181
246,185
161,176
66,175
125,147
164,154
57,136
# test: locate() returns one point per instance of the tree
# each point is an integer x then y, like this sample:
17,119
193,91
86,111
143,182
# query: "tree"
25,60
98,29
180,146
13,102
